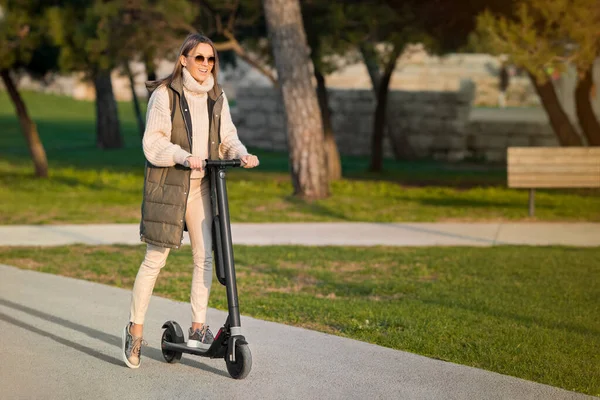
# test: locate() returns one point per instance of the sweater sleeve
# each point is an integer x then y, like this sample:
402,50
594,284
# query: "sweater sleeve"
157,145
231,146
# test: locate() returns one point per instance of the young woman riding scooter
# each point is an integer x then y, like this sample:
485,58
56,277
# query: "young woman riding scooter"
188,121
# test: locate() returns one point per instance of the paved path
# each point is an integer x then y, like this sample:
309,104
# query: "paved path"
61,338
357,234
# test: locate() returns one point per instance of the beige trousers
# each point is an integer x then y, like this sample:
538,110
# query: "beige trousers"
198,218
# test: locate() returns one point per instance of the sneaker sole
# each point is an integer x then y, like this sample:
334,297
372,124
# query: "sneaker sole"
123,337
196,344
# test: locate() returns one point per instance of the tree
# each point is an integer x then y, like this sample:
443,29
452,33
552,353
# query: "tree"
334,164
323,21
381,94
303,118
449,23
580,23
145,28
20,34
237,26
382,34
585,113
76,27
544,36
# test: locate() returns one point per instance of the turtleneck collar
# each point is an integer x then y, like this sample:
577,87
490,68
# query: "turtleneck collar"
192,85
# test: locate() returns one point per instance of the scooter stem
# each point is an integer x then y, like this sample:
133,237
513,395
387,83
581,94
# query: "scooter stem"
219,175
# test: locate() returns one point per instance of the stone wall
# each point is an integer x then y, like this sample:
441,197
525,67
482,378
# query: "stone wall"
430,124
431,121
487,140
260,119
423,124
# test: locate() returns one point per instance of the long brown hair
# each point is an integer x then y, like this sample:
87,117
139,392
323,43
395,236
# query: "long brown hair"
188,45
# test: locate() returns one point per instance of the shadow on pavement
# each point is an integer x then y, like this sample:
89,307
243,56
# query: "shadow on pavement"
440,233
113,340
73,345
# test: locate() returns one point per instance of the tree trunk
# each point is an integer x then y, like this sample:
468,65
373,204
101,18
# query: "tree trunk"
29,128
370,58
136,103
303,118
150,70
108,133
380,114
334,164
585,113
561,125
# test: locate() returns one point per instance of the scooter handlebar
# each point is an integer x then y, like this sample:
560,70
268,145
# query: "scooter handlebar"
218,163
223,163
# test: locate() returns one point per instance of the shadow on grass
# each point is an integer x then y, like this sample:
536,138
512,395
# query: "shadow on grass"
473,203
15,178
73,144
427,172
316,209
113,340
439,178
62,134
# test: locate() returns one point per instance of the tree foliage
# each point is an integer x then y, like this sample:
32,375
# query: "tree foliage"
140,29
21,31
237,27
545,37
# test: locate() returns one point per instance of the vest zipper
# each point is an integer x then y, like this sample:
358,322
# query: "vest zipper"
189,135
212,117
187,195
183,114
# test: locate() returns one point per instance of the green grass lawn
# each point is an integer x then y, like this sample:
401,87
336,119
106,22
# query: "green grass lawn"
87,185
529,312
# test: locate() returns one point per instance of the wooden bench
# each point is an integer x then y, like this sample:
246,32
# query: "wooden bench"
552,167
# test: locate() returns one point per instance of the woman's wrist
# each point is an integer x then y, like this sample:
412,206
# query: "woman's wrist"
180,156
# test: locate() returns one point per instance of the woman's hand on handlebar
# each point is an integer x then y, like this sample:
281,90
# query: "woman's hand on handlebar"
195,163
249,161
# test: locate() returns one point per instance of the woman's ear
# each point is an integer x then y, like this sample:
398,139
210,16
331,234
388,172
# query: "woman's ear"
182,60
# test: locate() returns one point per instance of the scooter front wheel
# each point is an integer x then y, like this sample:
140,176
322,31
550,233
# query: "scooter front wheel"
170,356
243,362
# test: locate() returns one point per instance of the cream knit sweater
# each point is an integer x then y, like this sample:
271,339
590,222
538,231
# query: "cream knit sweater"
157,145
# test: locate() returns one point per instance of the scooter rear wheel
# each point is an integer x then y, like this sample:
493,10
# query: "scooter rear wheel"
170,356
243,362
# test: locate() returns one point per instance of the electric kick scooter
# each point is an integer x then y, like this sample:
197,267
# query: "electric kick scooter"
229,343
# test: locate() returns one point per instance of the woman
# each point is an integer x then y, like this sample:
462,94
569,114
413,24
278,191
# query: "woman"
188,121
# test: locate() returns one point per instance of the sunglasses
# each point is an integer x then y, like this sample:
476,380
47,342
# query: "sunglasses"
201,58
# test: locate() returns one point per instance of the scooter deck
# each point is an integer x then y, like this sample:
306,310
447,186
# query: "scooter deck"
216,350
